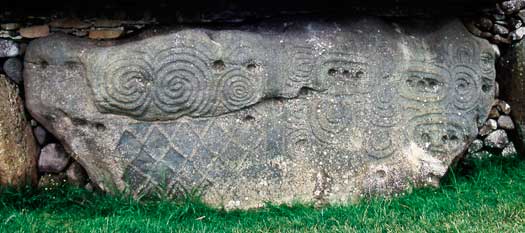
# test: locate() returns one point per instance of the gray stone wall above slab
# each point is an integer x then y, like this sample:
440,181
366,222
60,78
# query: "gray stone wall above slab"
323,111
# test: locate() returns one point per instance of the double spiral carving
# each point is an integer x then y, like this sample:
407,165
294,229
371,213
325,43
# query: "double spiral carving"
238,89
182,82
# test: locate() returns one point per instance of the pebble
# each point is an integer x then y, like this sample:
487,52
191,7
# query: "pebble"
497,139
76,175
485,24
80,33
512,6
499,29
521,15
509,150
476,146
10,26
492,124
486,35
496,90
505,122
13,69
9,48
106,33
517,34
53,159
494,113
89,187
485,130
40,135
515,23
35,31
69,23
503,107
501,40
107,23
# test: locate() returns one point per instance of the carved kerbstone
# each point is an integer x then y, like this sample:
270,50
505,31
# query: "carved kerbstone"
299,110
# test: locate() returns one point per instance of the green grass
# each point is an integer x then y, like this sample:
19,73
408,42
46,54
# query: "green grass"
487,197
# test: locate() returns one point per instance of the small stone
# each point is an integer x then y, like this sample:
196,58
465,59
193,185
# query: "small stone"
41,135
517,34
496,90
76,175
106,33
485,24
48,181
107,23
501,22
89,187
497,139
476,146
52,159
509,151
493,124
512,6
487,128
499,17
13,69
494,113
34,31
67,23
499,29
486,35
505,122
515,23
521,15
9,48
80,33
500,40
498,10
10,26
503,107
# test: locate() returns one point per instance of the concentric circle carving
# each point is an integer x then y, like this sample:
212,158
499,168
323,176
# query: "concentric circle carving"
238,89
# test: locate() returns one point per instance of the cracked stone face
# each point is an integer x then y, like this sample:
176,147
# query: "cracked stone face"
310,111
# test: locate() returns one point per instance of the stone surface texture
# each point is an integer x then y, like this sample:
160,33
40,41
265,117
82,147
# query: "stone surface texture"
312,111
52,158
18,149
512,81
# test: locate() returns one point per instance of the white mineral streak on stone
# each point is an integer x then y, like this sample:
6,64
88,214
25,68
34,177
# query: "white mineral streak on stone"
422,162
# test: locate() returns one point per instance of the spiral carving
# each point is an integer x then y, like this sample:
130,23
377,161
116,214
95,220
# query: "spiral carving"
238,90
128,85
182,84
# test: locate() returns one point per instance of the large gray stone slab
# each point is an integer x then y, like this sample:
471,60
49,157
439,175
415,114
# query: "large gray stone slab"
311,111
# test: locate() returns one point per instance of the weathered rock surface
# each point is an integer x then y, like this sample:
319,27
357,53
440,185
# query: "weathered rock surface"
18,150
305,111
512,67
